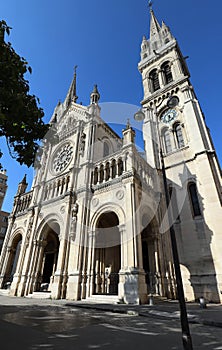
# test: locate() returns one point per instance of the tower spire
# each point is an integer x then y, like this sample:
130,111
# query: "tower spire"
154,24
71,96
75,97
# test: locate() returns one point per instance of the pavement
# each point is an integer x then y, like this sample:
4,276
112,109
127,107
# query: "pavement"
162,309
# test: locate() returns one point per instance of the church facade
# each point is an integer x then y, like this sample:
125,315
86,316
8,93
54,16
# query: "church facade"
95,222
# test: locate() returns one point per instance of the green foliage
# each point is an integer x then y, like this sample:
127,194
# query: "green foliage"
20,117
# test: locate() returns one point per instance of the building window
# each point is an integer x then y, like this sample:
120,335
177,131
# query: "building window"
167,74
105,149
192,189
179,135
154,80
166,141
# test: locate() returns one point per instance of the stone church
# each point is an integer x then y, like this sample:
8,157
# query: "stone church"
95,223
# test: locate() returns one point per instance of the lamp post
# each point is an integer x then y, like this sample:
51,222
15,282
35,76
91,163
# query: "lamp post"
186,337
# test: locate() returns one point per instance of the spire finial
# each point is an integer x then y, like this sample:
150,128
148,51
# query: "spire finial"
150,4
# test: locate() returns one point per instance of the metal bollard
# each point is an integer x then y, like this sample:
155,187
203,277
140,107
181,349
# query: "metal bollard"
203,304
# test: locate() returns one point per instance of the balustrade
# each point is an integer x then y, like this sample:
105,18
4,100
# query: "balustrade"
122,162
56,188
23,202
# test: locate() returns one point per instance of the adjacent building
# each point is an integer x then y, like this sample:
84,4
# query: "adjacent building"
3,214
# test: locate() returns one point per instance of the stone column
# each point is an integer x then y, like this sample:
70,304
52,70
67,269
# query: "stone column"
5,266
38,264
90,270
132,286
58,276
73,290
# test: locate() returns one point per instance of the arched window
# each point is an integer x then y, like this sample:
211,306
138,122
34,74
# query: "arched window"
154,80
166,141
96,176
192,189
167,74
120,167
113,169
105,149
179,135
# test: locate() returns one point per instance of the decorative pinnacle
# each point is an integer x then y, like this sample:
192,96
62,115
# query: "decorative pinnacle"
128,126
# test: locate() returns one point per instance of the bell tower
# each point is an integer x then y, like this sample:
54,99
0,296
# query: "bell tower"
174,128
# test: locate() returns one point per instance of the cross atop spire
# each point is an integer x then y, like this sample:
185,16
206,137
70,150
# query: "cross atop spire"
150,4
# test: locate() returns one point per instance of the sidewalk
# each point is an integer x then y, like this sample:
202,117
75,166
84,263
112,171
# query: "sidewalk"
167,309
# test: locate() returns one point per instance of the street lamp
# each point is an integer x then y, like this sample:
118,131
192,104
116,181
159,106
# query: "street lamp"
186,337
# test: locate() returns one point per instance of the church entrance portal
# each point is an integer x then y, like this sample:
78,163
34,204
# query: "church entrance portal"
49,260
13,260
107,258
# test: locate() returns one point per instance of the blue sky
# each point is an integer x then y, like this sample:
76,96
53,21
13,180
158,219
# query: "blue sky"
103,38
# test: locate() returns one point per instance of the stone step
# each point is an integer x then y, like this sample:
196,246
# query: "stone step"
39,295
4,291
102,299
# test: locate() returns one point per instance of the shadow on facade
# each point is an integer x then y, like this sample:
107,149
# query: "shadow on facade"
194,239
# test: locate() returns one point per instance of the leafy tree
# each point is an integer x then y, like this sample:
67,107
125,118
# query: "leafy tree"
20,117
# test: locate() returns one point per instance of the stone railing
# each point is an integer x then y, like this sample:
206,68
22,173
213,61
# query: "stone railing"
22,202
108,168
121,163
56,187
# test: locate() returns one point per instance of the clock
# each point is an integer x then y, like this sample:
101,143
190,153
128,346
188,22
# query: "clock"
169,116
62,158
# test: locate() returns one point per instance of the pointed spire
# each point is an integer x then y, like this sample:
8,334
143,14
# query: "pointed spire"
154,24
22,186
71,96
24,182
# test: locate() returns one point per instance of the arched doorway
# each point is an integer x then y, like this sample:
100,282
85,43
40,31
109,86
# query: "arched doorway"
49,256
13,259
107,258
150,257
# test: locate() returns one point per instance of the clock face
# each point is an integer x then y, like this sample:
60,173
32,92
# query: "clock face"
169,116
62,158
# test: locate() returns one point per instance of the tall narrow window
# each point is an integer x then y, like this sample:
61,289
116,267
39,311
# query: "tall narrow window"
154,80
179,135
192,189
168,77
167,141
105,149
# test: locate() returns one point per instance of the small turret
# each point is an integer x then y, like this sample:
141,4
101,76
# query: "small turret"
128,134
95,96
